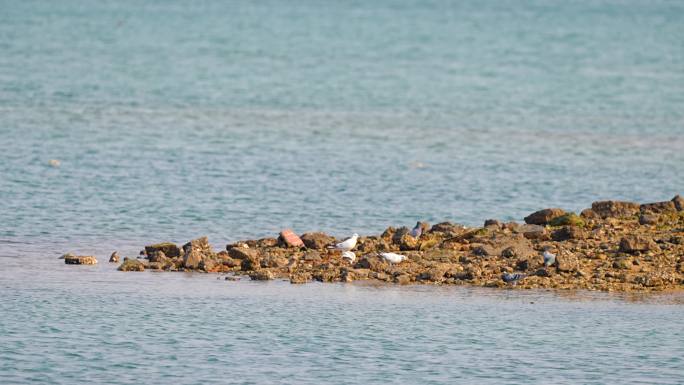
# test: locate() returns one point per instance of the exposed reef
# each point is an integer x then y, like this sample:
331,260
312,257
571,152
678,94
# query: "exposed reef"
612,246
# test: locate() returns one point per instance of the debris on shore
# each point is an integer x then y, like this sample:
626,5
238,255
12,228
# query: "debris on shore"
612,246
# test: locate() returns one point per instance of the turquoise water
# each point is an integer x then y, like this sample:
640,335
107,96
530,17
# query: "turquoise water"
235,119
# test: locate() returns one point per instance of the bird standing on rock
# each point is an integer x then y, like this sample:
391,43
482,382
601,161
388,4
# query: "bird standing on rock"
393,258
549,258
417,230
349,255
512,277
346,245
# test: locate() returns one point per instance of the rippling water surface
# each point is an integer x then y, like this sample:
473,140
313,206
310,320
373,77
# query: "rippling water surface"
235,119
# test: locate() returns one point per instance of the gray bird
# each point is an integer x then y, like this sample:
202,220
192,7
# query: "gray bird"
417,230
512,277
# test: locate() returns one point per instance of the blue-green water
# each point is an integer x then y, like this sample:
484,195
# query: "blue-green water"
234,119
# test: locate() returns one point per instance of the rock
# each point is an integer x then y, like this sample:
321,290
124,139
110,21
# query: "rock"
208,265
522,264
615,209
318,240
533,232
567,233
648,219
300,277
567,263
388,233
312,256
195,252
288,238
589,214
114,258
399,235
251,264
192,259
435,274
658,208
242,253
70,259
636,243
132,265
568,219
155,266
493,223
517,248
402,279
274,261
371,262
543,217
158,256
262,275
446,227
622,264
169,249
678,202
267,242
484,251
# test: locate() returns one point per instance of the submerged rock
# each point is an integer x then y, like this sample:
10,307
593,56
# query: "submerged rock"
132,265
70,259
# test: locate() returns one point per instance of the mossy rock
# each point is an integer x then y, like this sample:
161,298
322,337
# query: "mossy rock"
569,219
132,265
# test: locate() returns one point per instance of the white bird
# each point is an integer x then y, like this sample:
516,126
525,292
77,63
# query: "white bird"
549,258
393,258
349,255
346,245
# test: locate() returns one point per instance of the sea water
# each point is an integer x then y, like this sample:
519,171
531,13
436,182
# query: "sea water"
234,119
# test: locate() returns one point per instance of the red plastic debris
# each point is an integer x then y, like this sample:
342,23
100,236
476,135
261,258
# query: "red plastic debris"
290,238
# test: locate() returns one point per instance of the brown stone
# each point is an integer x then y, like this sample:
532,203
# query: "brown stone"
242,253
251,263
157,256
446,227
615,209
636,243
567,263
169,249
300,277
195,252
132,265
80,260
262,275
678,202
266,242
658,208
543,217
317,240
566,233
533,232
274,261
402,279
648,219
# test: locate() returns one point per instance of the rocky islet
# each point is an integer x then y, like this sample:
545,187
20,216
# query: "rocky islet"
612,246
